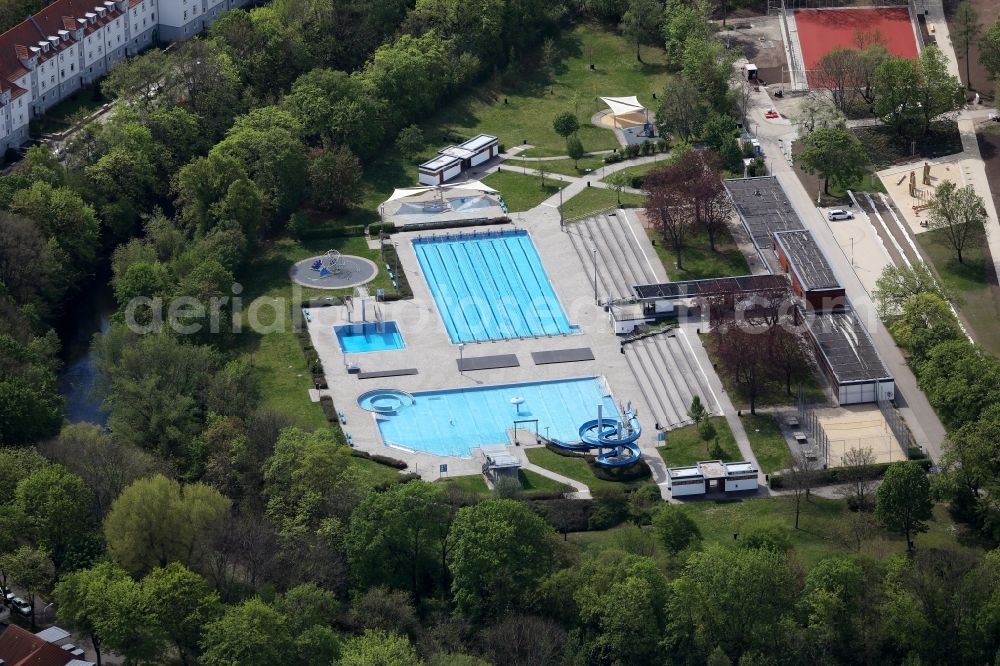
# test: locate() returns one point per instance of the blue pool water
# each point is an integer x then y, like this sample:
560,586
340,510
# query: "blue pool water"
491,286
451,422
369,337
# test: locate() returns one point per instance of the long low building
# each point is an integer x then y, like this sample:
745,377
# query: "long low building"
812,277
450,162
699,479
849,358
73,43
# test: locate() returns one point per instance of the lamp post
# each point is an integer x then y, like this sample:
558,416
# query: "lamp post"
461,357
852,251
595,276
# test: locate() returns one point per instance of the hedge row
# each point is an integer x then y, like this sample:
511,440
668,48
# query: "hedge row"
836,475
634,150
380,459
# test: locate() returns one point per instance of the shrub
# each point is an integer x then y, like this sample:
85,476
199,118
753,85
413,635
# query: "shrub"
610,509
840,475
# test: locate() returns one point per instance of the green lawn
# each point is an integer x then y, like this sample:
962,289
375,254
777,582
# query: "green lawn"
565,167
698,261
278,362
76,107
686,447
533,481
767,442
593,199
823,524
575,468
968,281
533,99
643,169
523,192
374,474
473,485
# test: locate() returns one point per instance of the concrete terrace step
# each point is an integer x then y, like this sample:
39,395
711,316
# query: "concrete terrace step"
671,376
657,396
643,271
624,255
701,381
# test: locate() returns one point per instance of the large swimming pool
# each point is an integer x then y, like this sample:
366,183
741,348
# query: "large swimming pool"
490,286
452,422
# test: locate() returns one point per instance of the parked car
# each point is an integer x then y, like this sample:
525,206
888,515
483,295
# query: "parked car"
8,594
21,607
839,214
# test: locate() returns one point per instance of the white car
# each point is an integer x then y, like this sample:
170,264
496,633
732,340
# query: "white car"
21,606
839,214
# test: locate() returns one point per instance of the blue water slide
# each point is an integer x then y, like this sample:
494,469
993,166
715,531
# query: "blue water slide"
614,440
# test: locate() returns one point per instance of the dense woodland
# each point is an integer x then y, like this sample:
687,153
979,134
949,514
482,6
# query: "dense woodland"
203,528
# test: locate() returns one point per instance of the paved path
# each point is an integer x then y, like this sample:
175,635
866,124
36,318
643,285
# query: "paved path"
582,491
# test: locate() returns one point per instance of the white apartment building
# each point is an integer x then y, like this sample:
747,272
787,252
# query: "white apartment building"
72,43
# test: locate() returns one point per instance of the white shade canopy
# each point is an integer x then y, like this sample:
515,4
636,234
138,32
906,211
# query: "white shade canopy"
622,105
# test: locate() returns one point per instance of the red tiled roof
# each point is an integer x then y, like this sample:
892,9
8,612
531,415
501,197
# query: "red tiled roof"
22,648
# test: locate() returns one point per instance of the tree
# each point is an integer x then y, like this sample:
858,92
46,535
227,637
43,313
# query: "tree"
378,648
960,380
410,141
639,22
681,112
30,568
157,521
832,154
75,596
897,93
618,181
675,529
835,72
250,634
801,477
138,80
966,28
27,264
897,284
501,552
400,538
335,179
989,50
668,207
574,148
517,640
181,603
940,92
56,508
736,598
926,321
858,465
697,411
543,171
565,123
789,353
961,213
744,358
903,501
816,111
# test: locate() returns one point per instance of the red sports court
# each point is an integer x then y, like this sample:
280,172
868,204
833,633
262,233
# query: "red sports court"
823,30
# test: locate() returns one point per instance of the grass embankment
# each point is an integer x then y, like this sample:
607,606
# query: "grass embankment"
531,483
685,446
969,282
594,199
767,441
824,528
698,260
580,169
575,468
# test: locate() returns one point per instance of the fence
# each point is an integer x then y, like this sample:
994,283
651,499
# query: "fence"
897,426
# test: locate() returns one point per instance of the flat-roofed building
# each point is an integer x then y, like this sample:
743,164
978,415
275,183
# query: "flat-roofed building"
699,479
812,277
849,358
452,160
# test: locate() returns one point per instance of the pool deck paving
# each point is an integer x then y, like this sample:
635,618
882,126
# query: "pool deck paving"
430,350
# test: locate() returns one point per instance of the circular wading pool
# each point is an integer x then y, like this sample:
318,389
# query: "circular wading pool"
385,401
327,272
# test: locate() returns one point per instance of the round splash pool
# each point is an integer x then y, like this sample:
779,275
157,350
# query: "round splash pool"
385,401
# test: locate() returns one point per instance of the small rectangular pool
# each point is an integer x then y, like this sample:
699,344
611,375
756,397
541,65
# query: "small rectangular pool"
490,286
368,337
452,422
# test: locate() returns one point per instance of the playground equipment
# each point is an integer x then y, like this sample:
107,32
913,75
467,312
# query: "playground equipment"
328,264
614,440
